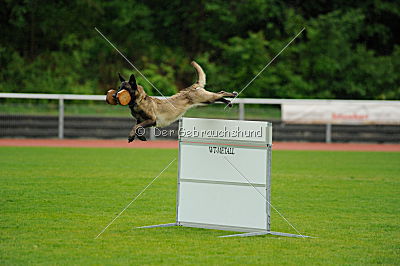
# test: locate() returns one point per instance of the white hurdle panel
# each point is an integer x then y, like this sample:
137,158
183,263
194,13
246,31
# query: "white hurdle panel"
211,193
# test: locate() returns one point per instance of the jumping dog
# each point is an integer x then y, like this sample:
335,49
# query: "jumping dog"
150,111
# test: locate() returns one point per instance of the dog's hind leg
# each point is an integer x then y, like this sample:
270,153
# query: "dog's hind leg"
228,94
229,103
219,99
207,97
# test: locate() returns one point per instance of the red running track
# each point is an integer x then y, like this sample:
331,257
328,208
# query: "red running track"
172,144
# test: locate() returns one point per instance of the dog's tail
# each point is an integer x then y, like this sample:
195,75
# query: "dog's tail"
201,75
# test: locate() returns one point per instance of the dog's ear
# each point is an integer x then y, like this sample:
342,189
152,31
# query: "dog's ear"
132,82
120,77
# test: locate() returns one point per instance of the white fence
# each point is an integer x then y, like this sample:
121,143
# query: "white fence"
394,106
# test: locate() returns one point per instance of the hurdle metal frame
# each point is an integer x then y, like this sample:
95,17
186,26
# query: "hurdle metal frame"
244,231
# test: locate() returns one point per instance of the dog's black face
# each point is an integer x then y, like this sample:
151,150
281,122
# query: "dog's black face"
130,85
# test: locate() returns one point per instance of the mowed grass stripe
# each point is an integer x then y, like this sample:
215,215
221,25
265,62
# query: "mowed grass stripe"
54,201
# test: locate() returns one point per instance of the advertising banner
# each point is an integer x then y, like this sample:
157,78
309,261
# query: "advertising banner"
342,113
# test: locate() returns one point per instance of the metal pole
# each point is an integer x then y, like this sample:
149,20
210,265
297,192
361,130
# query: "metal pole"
328,133
178,180
241,111
151,133
61,118
269,165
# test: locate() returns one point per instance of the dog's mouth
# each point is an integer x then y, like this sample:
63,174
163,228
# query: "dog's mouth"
131,91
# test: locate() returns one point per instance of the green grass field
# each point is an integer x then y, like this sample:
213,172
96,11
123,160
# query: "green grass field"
54,201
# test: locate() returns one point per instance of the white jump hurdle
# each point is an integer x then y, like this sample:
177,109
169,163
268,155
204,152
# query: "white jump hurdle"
224,176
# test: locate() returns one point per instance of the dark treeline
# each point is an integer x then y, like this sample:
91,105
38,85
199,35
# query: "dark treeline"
349,50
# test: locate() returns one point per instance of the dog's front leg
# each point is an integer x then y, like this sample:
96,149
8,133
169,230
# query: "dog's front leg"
138,130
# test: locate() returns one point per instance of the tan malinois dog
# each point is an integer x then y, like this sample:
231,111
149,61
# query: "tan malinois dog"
150,111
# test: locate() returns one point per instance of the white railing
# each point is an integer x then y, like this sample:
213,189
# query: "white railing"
240,101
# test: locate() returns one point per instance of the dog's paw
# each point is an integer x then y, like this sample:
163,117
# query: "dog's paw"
131,138
230,104
235,93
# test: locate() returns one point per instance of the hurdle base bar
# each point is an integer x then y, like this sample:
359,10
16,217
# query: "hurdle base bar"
158,225
267,233
234,235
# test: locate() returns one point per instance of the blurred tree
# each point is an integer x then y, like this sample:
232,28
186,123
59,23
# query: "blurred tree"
349,49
